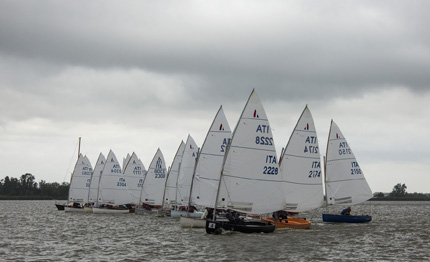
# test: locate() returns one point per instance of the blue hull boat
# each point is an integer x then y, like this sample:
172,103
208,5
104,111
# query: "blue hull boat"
345,219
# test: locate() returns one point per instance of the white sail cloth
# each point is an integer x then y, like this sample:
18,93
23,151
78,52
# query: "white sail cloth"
301,167
95,179
345,181
250,180
134,173
155,180
209,163
80,180
186,171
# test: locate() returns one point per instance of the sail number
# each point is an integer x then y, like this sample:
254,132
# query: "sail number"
160,173
355,170
121,182
262,140
269,170
315,173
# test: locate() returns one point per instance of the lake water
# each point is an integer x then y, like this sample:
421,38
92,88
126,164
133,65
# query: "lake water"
37,231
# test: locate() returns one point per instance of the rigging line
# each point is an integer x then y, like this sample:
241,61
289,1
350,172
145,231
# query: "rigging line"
70,162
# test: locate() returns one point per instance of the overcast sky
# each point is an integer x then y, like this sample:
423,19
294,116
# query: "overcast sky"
138,75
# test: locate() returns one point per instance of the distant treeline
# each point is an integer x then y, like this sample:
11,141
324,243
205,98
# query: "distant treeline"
399,194
25,188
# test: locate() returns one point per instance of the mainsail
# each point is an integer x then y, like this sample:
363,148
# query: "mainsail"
301,167
95,179
134,173
186,171
113,184
250,180
80,180
345,181
209,163
172,178
155,180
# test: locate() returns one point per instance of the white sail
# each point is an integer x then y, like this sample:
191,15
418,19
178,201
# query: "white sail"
80,180
209,163
186,171
125,161
345,181
172,177
113,184
250,180
95,179
301,167
134,173
155,180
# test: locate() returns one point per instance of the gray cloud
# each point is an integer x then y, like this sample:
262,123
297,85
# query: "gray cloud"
141,75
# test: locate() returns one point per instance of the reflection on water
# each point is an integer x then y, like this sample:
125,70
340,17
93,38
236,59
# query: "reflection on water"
36,231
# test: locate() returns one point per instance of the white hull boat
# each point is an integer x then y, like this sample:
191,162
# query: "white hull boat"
176,213
110,211
73,209
192,222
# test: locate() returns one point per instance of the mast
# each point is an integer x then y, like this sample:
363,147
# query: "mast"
165,185
194,174
176,192
220,177
79,147
325,164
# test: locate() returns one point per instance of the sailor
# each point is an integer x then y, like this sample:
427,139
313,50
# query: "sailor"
346,212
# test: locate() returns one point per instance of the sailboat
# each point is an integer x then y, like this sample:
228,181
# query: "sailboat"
249,181
344,180
112,195
62,206
79,185
94,184
95,181
169,195
205,181
185,176
134,173
151,197
300,169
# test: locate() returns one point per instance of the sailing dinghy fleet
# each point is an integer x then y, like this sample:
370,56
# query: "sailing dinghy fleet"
234,182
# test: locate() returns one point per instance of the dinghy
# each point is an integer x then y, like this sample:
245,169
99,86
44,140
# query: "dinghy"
79,185
113,194
134,173
151,197
300,168
205,181
249,181
183,185
345,181
95,181
169,194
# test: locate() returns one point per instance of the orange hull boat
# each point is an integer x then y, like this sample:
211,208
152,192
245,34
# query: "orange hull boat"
295,223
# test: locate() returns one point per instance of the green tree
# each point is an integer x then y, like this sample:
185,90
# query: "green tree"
28,185
399,190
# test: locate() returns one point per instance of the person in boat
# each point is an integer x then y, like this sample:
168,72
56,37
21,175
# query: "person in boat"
346,212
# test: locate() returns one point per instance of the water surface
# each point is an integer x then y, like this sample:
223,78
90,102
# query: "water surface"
36,231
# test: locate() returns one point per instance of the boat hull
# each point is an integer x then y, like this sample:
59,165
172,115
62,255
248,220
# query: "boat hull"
345,219
73,209
140,210
59,207
192,222
110,211
175,213
295,223
216,227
